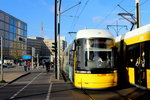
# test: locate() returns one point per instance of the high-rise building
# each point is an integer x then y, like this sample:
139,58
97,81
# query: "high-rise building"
14,36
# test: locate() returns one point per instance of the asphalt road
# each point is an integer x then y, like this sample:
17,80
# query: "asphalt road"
34,86
40,85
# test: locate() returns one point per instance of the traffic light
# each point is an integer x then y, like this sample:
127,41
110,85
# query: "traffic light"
54,49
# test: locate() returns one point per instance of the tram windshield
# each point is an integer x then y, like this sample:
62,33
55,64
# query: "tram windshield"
94,53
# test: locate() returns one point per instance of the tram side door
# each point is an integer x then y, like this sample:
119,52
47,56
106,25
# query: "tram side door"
143,79
140,70
136,60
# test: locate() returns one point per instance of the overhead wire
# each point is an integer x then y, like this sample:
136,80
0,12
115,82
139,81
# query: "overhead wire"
80,13
76,20
140,5
144,2
109,13
71,27
74,17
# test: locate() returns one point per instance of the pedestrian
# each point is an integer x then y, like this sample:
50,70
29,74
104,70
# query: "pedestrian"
28,65
24,64
47,64
43,63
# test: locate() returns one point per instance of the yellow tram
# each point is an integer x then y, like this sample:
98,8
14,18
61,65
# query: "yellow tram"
89,60
134,52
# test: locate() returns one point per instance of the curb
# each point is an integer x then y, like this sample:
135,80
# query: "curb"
15,79
18,78
65,78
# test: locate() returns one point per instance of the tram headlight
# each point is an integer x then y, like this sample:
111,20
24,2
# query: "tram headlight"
88,72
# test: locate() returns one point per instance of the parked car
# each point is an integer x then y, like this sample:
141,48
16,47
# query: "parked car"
5,65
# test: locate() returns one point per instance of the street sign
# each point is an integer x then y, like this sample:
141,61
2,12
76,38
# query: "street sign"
26,57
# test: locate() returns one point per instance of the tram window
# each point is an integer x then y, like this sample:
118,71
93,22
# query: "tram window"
97,59
100,43
147,55
94,53
133,53
71,58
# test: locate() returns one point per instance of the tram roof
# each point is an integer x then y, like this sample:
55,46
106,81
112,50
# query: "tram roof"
138,31
93,33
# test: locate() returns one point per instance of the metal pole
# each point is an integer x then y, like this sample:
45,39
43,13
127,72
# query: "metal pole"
138,13
32,59
117,27
37,61
58,64
32,63
1,58
55,29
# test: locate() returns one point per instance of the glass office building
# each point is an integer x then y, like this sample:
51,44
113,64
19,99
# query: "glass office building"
14,36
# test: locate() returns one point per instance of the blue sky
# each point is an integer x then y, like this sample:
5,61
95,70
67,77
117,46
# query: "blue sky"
93,14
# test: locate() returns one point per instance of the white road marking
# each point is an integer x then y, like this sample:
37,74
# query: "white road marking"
49,90
24,87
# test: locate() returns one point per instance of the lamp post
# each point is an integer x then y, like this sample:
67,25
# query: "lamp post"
58,14
2,80
37,61
138,13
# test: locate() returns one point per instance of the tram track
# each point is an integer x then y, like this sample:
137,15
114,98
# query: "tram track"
84,91
99,95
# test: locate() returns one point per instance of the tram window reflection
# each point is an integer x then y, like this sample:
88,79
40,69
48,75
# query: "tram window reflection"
98,59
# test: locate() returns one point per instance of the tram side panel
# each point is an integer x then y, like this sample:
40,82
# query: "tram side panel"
67,65
138,55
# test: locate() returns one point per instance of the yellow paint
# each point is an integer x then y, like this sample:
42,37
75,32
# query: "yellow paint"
95,81
138,38
148,78
131,75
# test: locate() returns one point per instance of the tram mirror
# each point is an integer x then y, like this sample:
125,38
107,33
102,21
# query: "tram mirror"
73,46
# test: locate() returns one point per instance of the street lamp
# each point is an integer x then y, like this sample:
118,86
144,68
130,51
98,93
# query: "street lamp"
2,80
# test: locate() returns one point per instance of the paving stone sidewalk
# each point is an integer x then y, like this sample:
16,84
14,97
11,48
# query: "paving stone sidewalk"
11,74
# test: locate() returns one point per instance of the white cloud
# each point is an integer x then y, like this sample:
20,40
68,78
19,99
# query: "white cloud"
97,19
46,38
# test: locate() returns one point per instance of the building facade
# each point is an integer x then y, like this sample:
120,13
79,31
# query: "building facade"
48,44
44,47
38,44
14,36
63,43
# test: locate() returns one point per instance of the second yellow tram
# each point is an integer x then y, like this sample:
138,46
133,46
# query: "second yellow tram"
134,56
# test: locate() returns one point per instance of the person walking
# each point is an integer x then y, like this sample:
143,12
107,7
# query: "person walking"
24,64
47,64
28,65
43,63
